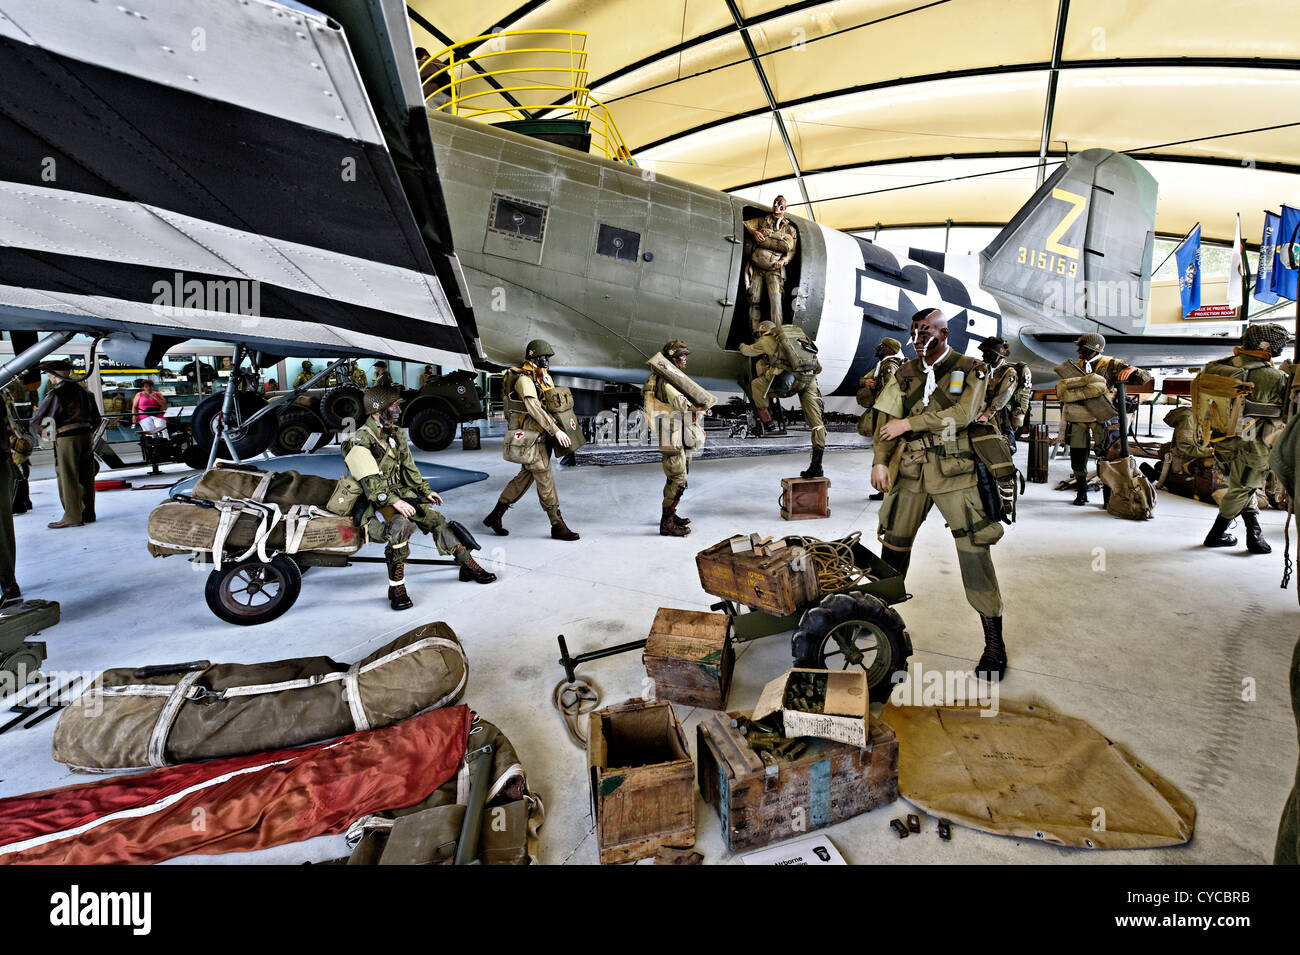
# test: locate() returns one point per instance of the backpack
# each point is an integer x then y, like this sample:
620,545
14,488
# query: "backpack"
797,350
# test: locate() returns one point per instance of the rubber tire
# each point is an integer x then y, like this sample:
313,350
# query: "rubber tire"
431,429
813,639
252,443
196,458
298,421
282,570
343,405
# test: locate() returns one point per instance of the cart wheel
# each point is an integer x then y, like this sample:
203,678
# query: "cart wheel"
24,663
854,630
251,592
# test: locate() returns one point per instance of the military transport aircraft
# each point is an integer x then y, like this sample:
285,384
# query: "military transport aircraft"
266,173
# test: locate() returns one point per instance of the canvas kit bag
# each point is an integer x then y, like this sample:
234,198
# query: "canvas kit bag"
558,402
159,716
234,513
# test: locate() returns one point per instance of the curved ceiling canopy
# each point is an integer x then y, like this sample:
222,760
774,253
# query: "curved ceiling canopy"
908,112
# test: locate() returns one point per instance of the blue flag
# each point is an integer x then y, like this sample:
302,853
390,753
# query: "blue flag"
1188,257
1288,236
1265,274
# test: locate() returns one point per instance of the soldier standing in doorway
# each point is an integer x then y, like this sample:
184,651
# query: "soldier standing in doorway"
775,240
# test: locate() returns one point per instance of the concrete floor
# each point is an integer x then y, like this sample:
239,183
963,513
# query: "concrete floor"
1132,626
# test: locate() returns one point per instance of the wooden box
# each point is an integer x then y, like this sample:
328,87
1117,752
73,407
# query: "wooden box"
689,656
762,799
642,781
780,582
805,499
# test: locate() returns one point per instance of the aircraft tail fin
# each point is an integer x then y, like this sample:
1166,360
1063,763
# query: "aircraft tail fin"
1081,247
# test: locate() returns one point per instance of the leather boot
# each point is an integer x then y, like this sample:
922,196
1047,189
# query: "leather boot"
1255,542
1219,536
897,559
470,570
677,518
12,595
1081,489
397,596
815,465
560,531
493,520
993,662
670,528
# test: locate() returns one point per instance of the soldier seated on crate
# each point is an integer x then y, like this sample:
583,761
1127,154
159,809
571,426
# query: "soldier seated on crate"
394,499
923,456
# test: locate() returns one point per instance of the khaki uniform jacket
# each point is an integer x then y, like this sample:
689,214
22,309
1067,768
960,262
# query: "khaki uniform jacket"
660,397
880,376
529,385
395,474
70,406
942,423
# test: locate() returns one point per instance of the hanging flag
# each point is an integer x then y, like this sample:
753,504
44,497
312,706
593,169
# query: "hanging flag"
1236,268
1188,257
1266,273
1288,251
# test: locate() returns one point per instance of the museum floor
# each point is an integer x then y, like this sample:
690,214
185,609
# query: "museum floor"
1132,626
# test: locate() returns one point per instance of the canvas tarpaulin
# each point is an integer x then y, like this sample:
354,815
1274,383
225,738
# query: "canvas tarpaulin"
1030,772
246,803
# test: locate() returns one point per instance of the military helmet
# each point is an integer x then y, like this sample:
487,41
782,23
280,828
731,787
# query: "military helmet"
1265,337
1092,340
783,384
765,327
306,364
537,348
675,348
996,345
380,397
893,344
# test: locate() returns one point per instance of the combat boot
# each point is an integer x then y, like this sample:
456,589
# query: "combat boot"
1255,542
1081,489
12,595
493,520
993,662
397,596
560,531
765,422
1219,536
897,559
815,465
677,518
471,570
669,527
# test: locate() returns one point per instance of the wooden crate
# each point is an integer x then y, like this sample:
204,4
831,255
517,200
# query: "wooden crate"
642,781
780,583
763,800
690,658
804,499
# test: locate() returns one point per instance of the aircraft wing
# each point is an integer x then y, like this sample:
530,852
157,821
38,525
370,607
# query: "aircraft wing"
218,169
1145,351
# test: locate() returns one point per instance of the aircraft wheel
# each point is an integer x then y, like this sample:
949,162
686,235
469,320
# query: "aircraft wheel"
431,429
854,630
343,407
206,422
296,426
250,592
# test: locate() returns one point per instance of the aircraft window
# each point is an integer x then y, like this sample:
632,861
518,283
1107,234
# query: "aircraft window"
517,217
618,243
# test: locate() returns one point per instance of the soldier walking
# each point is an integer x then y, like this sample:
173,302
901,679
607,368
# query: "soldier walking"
527,444
676,421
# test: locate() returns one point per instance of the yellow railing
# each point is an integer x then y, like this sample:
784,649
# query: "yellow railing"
519,75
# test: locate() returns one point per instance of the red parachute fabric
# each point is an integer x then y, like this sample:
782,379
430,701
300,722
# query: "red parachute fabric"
236,805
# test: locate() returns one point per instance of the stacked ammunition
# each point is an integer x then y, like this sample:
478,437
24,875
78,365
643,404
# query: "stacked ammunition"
767,738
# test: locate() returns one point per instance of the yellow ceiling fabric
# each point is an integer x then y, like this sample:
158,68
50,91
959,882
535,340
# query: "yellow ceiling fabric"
872,93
